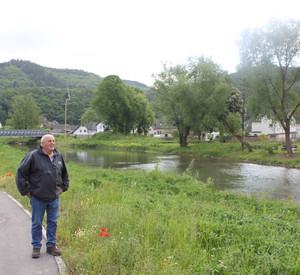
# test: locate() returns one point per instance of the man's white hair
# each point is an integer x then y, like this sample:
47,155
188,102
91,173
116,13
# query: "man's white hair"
44,136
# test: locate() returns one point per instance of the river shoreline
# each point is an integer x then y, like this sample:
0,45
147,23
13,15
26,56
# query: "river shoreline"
294,156
278,159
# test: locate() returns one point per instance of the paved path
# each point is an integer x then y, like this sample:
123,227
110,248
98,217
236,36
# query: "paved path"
15,243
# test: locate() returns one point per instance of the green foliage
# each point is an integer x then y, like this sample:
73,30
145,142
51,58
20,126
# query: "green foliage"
142,112
182,94
235,101
270,60
163,223
88,117
47,87
25,113
20,73
111,101
51,102
122,107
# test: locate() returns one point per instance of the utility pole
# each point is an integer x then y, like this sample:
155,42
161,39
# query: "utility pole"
243,123
67,98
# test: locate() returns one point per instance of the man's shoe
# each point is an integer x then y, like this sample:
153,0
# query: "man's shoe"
53,250
36,252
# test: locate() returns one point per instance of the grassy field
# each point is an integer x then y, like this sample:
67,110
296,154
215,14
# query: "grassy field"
164,223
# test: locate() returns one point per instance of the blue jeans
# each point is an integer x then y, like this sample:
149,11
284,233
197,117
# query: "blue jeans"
38,209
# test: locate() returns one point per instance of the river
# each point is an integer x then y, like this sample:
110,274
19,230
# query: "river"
275,182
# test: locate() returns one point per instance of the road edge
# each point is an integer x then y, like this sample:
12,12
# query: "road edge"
62,268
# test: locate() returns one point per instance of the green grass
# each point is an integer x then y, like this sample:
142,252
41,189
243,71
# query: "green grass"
155,218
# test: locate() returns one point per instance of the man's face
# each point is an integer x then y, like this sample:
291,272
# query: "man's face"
48,144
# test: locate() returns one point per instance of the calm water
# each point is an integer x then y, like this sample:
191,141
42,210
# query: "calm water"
276,182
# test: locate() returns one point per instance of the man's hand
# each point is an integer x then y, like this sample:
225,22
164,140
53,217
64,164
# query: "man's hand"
28,195
60,191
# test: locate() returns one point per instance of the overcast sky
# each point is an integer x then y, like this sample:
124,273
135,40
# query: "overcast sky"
132,38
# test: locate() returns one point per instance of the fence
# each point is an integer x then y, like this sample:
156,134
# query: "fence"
23,133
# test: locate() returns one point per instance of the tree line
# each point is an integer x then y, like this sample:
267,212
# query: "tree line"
199,95
49,100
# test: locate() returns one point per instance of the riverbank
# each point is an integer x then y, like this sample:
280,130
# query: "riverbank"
268,153
160,223
215,149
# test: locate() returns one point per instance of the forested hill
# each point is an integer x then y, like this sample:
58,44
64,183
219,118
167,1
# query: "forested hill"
20,73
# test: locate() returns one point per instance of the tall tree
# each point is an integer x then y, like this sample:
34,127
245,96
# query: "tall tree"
185,92
122,107
25,113
88,118
271,55
143,115
228,108
173,95
111,102
3,116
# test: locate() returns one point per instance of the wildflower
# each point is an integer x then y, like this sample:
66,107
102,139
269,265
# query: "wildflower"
106,234
8,175
164,263
79,248
101,234
103,229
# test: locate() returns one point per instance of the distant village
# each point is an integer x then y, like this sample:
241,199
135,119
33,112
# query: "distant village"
273,131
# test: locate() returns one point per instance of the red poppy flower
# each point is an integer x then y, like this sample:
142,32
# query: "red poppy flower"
101,234
8,175
79,248
164,263
106,234
103,229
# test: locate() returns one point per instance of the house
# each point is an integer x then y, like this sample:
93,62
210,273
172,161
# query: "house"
100,127
80,131
57,128
274,131
85,131
161,129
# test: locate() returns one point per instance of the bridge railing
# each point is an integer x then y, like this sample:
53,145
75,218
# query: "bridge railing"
23,133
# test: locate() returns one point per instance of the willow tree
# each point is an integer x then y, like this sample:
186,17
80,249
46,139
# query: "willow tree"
173,99
182,92
270,55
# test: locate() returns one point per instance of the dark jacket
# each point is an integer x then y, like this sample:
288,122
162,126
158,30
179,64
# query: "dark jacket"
41,177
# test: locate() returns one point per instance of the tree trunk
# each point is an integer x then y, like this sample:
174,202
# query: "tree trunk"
243,124
236,135
288,142
183,137
183,140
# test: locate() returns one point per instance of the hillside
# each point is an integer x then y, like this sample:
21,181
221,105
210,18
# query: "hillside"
20,73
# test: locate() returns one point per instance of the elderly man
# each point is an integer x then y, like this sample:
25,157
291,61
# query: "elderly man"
43,176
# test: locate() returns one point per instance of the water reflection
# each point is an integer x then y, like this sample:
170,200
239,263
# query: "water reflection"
275,182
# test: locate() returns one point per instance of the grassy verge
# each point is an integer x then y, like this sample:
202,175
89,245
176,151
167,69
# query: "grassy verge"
163,223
